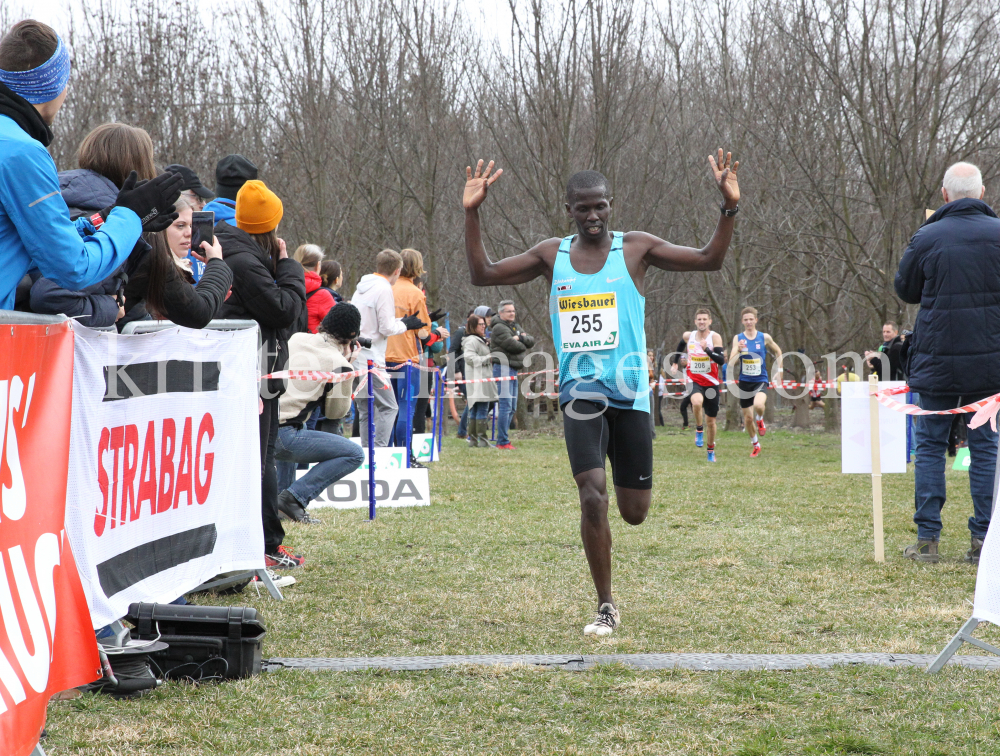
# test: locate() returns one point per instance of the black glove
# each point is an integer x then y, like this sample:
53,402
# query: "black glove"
153,201
438,314
413,323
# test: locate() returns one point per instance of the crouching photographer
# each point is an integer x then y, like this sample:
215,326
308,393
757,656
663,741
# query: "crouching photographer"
331,350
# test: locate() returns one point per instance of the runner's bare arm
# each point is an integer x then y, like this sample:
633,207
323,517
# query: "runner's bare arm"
734,358
770,344
511,270
667,256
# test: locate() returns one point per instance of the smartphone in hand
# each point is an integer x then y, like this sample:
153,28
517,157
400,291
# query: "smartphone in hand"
202,224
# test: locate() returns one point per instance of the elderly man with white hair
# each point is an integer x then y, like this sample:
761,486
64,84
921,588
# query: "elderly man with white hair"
952,269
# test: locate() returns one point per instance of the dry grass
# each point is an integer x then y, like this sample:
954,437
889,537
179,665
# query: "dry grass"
771,555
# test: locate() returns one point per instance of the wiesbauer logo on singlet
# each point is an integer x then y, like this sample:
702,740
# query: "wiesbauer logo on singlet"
587,302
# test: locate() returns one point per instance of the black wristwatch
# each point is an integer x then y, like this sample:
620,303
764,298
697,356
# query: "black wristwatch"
728,213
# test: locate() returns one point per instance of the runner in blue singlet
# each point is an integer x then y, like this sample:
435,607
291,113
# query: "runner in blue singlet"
597,308
750,350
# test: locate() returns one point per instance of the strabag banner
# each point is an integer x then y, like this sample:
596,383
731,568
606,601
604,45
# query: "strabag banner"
46,641
164,468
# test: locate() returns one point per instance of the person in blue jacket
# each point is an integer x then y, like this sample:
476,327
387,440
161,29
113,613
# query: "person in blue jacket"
35,229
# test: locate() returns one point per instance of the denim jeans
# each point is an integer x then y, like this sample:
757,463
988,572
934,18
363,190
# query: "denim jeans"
479,411
931,433
385,412
398,372
336,455
507,401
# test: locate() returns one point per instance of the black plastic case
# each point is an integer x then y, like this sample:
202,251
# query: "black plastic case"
205,641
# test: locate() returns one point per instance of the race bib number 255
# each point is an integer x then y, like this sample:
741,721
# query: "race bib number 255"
588,322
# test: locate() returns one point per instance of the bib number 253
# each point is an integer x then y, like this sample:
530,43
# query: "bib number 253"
586,323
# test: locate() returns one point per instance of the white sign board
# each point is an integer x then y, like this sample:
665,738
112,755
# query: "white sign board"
855,430
164,474
423,448
394,487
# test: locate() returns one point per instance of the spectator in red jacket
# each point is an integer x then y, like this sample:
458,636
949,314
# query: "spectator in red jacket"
319,300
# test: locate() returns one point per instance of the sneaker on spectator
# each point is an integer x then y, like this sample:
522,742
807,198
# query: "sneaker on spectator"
280,581
506,447
283,559
416,465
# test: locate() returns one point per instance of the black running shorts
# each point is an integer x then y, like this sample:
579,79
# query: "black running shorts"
711,401
749,390
625,436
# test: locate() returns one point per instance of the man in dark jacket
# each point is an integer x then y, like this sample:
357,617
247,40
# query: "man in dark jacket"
952,269
891,347
509,344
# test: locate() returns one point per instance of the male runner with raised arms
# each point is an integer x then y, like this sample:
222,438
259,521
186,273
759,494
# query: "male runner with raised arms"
750,353
597,309
705,354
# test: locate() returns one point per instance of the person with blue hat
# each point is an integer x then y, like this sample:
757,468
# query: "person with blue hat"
35,228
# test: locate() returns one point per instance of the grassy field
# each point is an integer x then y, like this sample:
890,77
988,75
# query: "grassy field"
772,555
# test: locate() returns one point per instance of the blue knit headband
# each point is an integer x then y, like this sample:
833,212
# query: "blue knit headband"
44,83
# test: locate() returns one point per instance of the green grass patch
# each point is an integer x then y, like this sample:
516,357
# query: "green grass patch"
766,555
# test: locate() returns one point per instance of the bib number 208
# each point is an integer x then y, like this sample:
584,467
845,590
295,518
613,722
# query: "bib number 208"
586,322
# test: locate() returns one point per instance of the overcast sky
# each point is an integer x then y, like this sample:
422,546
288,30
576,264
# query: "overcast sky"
56,13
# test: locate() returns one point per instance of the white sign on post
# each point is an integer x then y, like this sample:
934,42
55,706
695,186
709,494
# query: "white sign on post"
394,487
424,450
855,430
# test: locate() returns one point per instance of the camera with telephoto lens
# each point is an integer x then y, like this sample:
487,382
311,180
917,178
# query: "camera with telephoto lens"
363,342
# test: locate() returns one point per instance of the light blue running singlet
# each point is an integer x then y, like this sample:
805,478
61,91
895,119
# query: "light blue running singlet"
598,326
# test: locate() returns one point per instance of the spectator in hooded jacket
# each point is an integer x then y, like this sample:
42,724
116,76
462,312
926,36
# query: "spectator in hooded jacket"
374,299
269,287
231,173
319,300
35,228
329,351
106,156
952,270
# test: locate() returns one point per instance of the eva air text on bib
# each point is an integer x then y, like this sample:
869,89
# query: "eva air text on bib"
588,322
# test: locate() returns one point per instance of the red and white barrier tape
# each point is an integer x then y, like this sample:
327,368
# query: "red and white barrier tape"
985,409
318,375
499,378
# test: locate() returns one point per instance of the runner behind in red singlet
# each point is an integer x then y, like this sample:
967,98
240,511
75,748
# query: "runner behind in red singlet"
705,355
